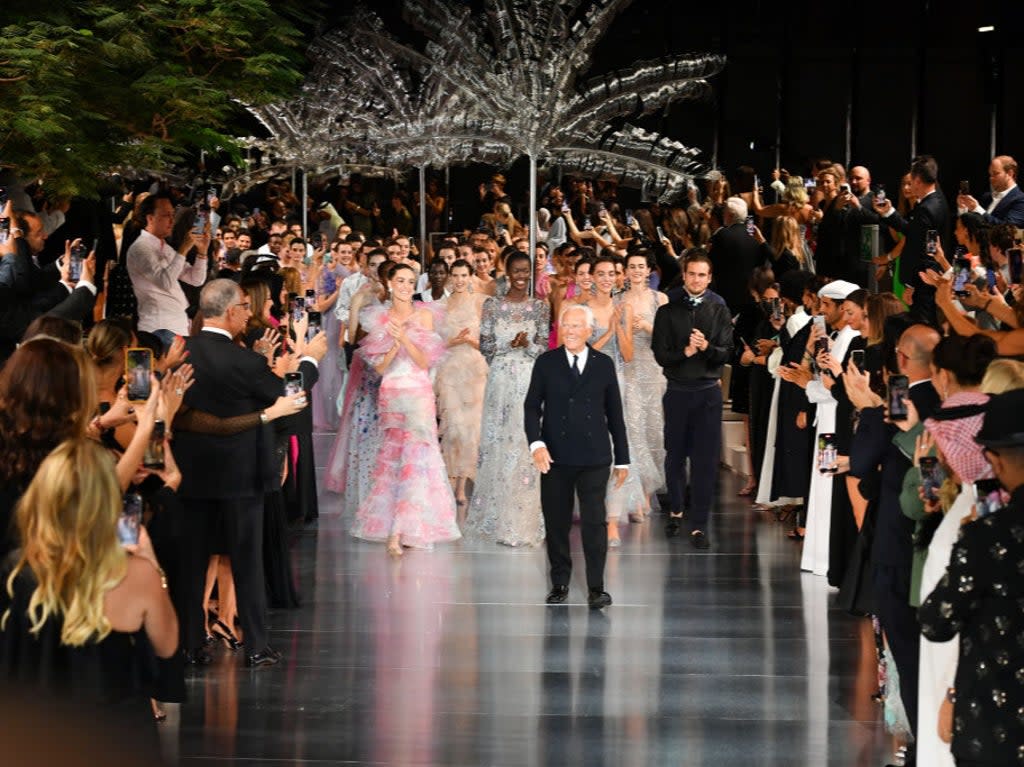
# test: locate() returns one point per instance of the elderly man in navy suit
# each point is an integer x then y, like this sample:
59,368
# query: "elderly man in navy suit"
1005,203
572,406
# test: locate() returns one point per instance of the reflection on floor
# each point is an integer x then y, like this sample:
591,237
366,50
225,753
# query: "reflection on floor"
727,657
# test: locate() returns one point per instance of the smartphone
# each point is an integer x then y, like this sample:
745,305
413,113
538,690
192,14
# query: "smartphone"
78,254
199,225
310,297
138,366
661,234
932,477
5,230
931,240
990,279
776,313
820,345
211,195
828,453
317,241
630,221
819,320
130,520
989,496
810,183
965,186
961,276
899,389
154,456
293,384
3,195
314,326
750,225
844,189
1015,256
255,211
298,308
857,356
880,194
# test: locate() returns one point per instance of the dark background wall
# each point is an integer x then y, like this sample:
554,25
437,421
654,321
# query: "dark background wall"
868,84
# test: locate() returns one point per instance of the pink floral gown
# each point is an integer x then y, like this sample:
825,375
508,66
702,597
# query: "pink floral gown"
410,495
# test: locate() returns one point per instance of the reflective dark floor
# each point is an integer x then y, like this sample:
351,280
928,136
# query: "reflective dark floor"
727,657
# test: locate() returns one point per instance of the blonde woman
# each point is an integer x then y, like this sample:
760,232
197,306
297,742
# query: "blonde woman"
786,251
74,601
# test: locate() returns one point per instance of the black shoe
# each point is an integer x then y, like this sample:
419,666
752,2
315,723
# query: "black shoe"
268,656
673,526
197,658
699,540
557,595
597,599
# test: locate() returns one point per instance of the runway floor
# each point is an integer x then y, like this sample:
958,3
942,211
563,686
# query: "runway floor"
450,657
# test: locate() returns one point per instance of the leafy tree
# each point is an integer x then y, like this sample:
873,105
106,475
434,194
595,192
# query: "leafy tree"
90,86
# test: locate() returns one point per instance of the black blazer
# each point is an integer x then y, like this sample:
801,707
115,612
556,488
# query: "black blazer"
1010,209
229,381
574,417
734,255
931,213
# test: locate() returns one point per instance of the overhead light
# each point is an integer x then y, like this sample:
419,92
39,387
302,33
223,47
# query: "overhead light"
987,29
751,144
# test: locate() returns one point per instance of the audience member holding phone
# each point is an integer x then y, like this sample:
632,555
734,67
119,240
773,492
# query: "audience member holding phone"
81,627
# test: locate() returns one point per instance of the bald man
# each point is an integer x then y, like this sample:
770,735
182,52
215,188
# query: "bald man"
856,211
1004,204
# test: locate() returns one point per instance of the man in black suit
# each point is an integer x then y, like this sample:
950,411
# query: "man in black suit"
734,255
1005,203
224,478
692,341
572,405
931,213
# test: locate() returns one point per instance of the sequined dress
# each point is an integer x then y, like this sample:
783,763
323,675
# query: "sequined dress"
327,399
505,506
410,496
354,453
459,384
645,422
630,497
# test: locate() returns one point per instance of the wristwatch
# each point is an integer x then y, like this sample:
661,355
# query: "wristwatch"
264,419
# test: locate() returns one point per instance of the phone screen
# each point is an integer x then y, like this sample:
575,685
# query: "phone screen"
130,521
819,320
899,388
138,365
293,384
989,496
961,276
776,309
932,241
154,456
965,187
313,327
750,225
932,477
78,255
298,308
828,453
5,230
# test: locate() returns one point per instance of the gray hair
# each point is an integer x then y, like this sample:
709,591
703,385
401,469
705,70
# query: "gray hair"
588,314
737,208
217,297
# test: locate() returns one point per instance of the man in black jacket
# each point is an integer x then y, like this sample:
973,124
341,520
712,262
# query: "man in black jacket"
930,214
692,341
224,478
572,405
734,254
1004,204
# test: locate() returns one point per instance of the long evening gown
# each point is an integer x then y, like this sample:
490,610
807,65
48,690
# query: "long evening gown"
645,419
327,392
410,496
460,382
354,453
630,498
506,498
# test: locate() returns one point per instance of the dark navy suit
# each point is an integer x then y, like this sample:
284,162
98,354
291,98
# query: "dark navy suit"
574,415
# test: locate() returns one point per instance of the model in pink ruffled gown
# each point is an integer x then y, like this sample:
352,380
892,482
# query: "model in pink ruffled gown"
410,503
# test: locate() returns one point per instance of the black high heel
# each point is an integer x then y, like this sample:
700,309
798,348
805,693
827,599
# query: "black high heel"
226,635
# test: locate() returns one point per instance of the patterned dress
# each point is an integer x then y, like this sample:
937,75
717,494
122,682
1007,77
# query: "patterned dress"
410,496
506,498
459,384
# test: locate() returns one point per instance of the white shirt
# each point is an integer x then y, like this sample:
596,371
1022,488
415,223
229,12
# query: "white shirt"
581,363
155,268
996,199
427,297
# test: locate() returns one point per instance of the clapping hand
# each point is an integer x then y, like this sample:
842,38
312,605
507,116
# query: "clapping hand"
177,383
520,340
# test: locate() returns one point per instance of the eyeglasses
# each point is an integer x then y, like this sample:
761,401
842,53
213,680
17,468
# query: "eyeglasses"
244,304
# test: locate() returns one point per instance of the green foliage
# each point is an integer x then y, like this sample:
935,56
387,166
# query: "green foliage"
87,87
